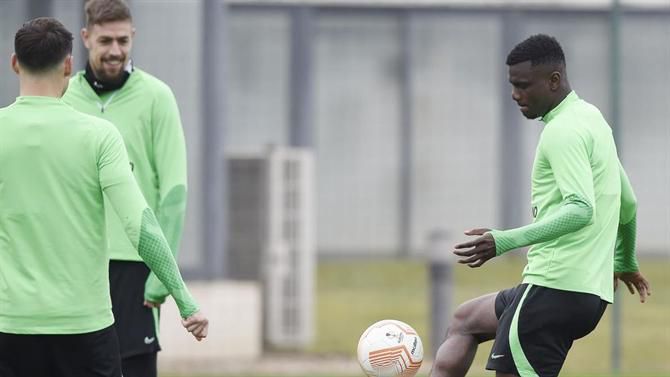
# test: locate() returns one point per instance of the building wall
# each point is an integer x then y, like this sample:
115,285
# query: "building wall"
461,114
459,98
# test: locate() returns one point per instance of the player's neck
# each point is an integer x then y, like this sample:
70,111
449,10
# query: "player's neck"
563,92
43,86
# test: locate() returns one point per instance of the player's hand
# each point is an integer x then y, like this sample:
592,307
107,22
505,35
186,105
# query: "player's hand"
197,324
151,304
476,252
634,281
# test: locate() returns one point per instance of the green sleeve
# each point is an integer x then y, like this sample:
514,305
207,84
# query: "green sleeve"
567,151
139,222
170,161
624,252
572,216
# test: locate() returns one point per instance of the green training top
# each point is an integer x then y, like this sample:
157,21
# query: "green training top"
582,203
55,165
145,112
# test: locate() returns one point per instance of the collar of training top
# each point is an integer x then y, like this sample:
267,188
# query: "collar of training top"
100,86
570,98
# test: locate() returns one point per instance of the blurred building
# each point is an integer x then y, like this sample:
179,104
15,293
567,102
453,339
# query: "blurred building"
405,104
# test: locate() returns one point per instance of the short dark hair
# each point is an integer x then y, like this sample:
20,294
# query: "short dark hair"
539,49
101,11
42,43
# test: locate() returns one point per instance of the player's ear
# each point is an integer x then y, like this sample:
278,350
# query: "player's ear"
69,62
555,80
84,37
15,63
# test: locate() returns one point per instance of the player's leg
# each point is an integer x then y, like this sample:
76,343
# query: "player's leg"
549,320
501,358
473,322
23,355
136,325
140,365
91,354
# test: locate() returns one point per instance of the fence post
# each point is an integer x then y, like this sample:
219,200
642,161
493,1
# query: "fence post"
440,261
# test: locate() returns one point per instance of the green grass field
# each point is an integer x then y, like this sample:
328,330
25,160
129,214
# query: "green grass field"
353,294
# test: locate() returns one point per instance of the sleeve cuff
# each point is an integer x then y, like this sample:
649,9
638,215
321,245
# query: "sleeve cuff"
503,242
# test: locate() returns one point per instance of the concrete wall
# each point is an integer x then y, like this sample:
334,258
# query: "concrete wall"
235,338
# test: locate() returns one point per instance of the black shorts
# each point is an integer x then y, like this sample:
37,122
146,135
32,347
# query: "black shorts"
536,328
135,323
140,366
90,354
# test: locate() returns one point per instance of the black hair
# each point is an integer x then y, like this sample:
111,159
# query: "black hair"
42,43
539,49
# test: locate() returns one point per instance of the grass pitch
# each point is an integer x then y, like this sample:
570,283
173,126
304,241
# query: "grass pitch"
354,294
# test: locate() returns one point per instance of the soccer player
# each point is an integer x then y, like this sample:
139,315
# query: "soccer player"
145,112
55,166
582,237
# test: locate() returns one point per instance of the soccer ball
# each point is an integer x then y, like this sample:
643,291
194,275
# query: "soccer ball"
390,348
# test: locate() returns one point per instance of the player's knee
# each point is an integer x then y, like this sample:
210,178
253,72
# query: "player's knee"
460,322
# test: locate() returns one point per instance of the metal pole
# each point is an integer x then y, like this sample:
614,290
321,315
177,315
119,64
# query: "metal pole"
615,102
301,90
81,59
214,170
406,142
440,261
510,135
615,71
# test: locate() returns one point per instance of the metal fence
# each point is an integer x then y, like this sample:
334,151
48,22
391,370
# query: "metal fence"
405,105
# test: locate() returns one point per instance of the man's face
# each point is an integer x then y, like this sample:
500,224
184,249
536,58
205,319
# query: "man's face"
109,46
531,88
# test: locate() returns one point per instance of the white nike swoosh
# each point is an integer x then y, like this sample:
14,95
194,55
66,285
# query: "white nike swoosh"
148,340
494,356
